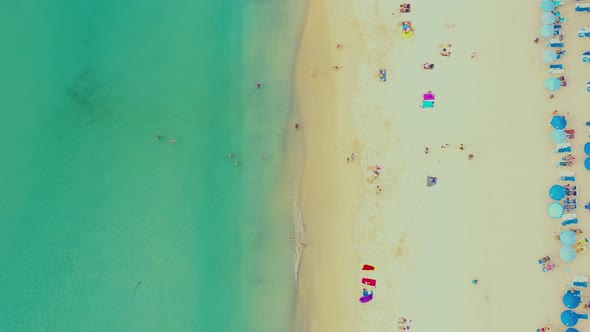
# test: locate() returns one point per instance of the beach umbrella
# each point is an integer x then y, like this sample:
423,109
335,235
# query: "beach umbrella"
567,237
553,84
571,329
549,56
569,318
587,163
567,253
558,121
557,192
555,210
548,18
546,31
587,148
571,300
559,136
547,5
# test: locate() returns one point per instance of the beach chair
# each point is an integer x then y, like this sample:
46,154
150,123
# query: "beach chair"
564,147
582,242
567,176
556,44
556,69
549,267
582,32
544,259
370,282
583,7
588,86
580,281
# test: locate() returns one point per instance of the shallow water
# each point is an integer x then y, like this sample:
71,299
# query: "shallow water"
105,228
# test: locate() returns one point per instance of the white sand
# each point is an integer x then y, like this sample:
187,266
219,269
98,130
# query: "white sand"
486,219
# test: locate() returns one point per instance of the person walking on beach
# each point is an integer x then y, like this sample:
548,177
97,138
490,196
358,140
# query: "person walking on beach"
536,40
461,147
444,146
470,157
426,150
296,126
472,55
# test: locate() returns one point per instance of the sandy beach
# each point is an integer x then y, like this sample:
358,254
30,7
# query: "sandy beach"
486,218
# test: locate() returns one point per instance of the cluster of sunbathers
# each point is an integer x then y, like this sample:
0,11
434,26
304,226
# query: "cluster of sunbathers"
404,8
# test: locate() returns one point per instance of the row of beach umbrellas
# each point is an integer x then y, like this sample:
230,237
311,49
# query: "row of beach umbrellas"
558,192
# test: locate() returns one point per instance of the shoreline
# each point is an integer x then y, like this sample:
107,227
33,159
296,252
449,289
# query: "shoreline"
330,188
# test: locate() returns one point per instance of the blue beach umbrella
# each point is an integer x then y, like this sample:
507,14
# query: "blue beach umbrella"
547,5
587,163
555,210
558,121
548,18
557,192
569,318
553,84
546,31
571,329
587,148
571,300
567,237
567,253
559,136
549,56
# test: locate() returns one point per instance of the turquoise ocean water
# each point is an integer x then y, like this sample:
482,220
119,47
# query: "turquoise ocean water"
105,228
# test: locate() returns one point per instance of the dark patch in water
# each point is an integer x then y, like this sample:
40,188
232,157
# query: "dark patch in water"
85,90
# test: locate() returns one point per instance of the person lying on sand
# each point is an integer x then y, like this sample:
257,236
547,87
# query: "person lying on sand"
404,8
428,66
444,52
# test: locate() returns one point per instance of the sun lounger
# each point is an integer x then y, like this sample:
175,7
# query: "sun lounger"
544,259
582,242
556,66
569,219
583,7
370,282
367,267
366,299
556,44
549,267
564,147
588,86
586,59
580,281
569,222
567,176
583,316
556,71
